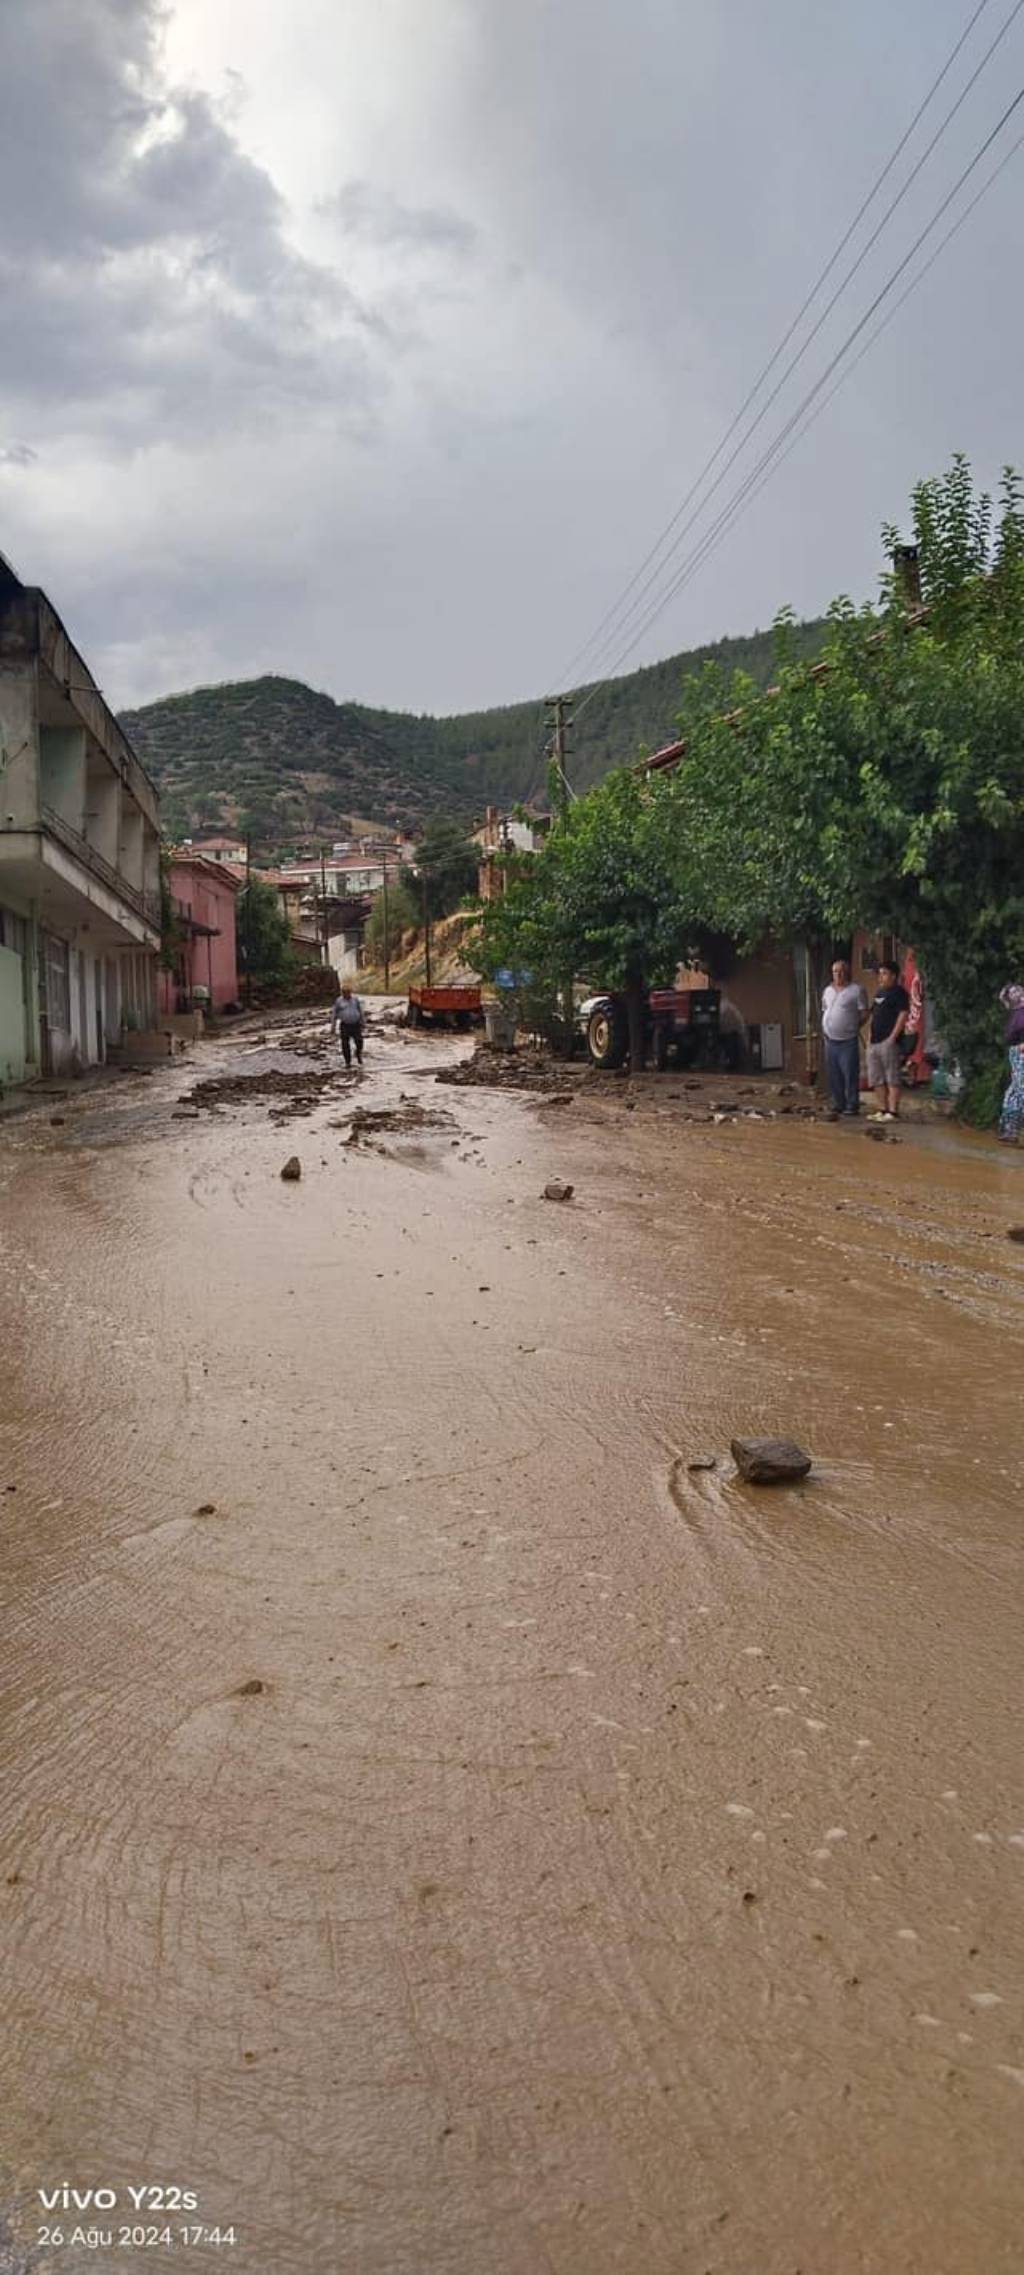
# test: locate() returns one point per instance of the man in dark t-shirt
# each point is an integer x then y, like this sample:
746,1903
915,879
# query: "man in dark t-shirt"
888,1019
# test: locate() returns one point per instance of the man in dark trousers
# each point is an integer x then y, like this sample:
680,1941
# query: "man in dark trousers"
347,1019
844,1008
888,1020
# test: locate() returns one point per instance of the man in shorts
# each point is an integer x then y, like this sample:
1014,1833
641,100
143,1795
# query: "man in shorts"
888,1020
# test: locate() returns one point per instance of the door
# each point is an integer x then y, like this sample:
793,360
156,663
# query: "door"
83,1010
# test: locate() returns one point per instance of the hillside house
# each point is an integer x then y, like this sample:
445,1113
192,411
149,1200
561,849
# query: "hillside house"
203,896
218,849
499,836
79,855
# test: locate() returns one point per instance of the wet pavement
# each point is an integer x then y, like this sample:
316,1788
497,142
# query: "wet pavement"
439,1828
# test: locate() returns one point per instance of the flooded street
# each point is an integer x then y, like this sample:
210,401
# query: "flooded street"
441,1829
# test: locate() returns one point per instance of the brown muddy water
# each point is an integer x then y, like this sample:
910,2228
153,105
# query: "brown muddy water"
438,1829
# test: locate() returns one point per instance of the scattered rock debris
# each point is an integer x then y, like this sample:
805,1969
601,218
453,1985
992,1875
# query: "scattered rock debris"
703,1461
528,1068
1016,1232
292,1170
770,1461
557,1191
252,1689
274,1082
206,1509
366,1121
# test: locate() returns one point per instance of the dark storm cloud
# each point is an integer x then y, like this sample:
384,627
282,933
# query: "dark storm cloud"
146,283
376,217
409,437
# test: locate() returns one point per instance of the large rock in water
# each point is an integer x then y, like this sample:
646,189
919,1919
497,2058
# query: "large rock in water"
770,1461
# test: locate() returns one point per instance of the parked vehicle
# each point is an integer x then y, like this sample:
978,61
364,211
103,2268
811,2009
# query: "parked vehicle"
679,1023
444,1006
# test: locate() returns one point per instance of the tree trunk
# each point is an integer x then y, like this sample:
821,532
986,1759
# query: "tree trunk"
635,995
819,962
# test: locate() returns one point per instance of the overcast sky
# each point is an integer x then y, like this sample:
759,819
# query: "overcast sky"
373,341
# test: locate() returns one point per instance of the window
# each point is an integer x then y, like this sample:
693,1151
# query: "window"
13,932
56,988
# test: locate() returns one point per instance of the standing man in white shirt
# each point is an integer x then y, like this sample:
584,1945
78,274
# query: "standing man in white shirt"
844,1008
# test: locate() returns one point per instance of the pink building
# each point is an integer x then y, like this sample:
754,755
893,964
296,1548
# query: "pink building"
203,895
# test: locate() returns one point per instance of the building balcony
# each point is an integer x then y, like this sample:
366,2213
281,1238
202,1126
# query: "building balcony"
146,905
53,870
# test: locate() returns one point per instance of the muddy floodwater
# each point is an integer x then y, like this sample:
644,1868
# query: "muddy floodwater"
441,1830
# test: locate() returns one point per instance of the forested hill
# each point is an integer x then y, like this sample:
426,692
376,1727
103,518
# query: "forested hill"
291,764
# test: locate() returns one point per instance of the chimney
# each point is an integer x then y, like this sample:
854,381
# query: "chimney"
906,562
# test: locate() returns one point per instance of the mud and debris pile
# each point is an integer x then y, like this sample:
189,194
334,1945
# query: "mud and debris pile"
298,1093
529,1068
369,1121
273,1082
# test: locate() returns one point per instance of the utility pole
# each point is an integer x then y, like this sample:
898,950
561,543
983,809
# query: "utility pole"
324,958
559,725
248,917
387,936
426,923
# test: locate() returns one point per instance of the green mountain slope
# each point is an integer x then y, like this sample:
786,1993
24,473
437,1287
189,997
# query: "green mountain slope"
292,764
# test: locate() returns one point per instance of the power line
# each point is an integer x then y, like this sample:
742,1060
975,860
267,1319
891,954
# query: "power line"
816,328
625,613
883,326
771,455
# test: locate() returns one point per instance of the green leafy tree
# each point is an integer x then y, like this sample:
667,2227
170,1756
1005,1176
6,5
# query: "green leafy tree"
884,787
264,948
403,916
445,869
606,900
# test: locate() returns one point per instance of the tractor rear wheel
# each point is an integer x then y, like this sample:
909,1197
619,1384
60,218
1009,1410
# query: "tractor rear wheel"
607,1036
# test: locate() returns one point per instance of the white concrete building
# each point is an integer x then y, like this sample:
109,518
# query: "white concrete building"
79,855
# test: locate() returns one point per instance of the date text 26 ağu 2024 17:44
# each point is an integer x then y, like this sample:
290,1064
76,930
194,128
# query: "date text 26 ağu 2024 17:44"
138,2238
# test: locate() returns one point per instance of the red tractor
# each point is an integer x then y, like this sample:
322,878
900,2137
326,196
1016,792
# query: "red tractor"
678,1022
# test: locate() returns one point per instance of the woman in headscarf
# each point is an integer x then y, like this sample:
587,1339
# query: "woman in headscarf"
1011,1120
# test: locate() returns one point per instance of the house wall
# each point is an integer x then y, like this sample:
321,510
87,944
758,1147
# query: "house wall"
343,953
12,1018
19,747
79,845
19,996
763,989
62,773
209,962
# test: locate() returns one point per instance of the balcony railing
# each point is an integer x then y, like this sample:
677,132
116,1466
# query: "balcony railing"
146,905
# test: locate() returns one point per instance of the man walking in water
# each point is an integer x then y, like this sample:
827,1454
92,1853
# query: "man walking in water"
347,1019
844,1008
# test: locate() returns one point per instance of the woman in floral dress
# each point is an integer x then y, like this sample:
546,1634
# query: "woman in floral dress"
1011,1120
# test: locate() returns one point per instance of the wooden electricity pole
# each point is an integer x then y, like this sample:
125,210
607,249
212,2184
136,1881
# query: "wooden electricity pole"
559,724
248,917
426,922
387,936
